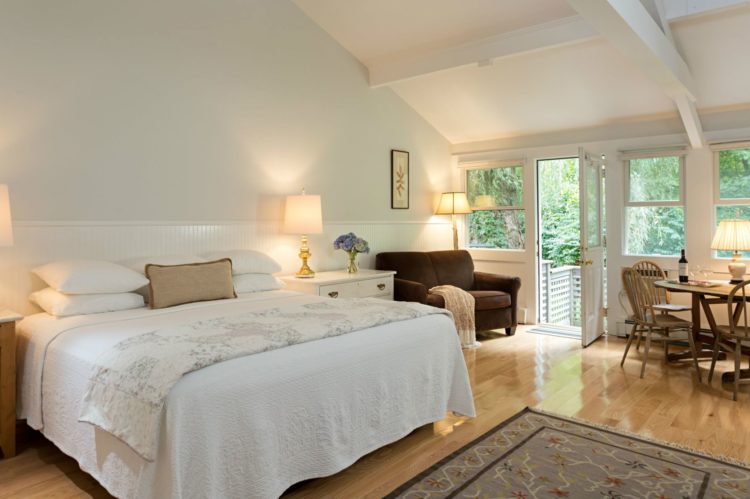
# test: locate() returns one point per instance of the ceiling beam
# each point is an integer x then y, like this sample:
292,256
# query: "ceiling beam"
397,67
628,25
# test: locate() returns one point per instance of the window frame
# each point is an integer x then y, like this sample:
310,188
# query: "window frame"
487,165
679,202
717,149
627,203
718,201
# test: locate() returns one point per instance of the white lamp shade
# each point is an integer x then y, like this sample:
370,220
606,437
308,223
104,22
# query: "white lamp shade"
6,226
453,203
303,215
732,235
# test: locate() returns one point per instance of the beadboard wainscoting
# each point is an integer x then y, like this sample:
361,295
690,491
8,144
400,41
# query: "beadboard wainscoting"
40,242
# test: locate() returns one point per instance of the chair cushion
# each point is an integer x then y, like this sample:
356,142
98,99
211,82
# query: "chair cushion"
667,320
453,267
490,300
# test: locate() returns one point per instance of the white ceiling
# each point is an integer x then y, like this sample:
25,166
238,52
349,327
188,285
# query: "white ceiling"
717,49
561,88
566,86
371,29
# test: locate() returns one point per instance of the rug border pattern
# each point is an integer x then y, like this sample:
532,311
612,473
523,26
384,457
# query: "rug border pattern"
613,431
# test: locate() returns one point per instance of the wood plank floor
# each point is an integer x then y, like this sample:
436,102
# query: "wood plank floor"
508,374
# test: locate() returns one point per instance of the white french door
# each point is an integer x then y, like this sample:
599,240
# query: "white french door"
592,247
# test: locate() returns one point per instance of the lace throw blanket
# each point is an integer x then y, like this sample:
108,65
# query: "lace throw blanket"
130,382
461,305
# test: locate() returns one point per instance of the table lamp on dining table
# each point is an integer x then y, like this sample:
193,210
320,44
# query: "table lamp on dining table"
733,235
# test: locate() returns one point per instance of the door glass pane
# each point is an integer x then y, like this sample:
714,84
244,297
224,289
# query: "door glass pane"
654,230
654,179
734,174
593,236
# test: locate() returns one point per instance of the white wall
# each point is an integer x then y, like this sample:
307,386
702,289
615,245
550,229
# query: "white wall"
699,212
188,110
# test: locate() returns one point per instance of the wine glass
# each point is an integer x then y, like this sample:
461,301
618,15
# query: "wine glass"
695,272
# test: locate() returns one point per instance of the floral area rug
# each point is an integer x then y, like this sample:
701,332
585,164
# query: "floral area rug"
539,455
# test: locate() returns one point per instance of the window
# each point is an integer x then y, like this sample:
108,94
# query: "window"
654,206
496,195
732,181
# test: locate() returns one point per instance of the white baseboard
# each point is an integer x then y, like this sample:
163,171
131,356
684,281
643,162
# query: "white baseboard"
522,315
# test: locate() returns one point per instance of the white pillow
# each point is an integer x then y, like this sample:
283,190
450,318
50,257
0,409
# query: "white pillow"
247,261
251,283
80,277
61,305
139,264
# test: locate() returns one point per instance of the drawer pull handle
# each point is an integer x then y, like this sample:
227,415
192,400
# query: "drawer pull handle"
381,286
333,294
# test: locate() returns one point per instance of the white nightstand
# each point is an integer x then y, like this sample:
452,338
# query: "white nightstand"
340,284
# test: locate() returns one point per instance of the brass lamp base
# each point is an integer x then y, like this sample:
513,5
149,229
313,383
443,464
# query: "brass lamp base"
305,272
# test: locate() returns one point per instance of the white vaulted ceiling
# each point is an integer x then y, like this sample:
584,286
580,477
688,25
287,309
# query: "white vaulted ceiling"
562,76
573,86
371,29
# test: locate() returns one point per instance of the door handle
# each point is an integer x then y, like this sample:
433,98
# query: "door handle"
333,294
580,262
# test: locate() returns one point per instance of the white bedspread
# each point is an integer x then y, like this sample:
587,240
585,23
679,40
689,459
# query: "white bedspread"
251,426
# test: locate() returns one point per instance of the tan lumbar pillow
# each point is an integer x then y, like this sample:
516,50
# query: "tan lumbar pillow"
171,285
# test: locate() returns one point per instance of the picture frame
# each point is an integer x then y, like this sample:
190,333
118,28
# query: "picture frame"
399,180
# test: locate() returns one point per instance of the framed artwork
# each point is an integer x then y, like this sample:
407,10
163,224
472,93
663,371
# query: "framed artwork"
399,180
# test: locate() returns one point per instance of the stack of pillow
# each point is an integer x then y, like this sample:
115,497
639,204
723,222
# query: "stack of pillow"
77,287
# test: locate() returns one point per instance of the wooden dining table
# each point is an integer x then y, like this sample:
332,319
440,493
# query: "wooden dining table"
703,296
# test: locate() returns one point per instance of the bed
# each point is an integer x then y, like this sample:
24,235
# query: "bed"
250,426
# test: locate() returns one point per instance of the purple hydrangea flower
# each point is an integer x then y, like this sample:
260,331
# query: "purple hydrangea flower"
350,242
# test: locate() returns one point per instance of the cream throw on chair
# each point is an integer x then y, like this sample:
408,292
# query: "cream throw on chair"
461,304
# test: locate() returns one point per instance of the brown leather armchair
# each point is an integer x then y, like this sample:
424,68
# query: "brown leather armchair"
495,296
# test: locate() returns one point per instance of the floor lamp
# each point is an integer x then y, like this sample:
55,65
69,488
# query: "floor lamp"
454,203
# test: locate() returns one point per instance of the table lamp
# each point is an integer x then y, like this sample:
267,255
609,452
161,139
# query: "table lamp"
453,203
733,235
303,216
6,227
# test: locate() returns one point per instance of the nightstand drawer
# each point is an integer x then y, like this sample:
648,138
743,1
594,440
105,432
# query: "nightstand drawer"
340,290
375,287
337,284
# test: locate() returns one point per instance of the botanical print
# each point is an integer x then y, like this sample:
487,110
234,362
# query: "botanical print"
130,381
399,179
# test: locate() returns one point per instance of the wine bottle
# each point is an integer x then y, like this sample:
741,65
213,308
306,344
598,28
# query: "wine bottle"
683,266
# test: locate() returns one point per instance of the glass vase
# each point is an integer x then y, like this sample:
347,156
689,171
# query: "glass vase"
352,266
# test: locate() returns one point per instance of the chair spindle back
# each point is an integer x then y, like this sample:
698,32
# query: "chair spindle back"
738,295
651,272
640,297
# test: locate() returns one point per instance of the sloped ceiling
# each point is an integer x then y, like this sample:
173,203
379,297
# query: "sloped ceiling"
371,29
576,85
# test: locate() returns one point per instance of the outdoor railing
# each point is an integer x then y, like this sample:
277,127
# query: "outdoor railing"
560,301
